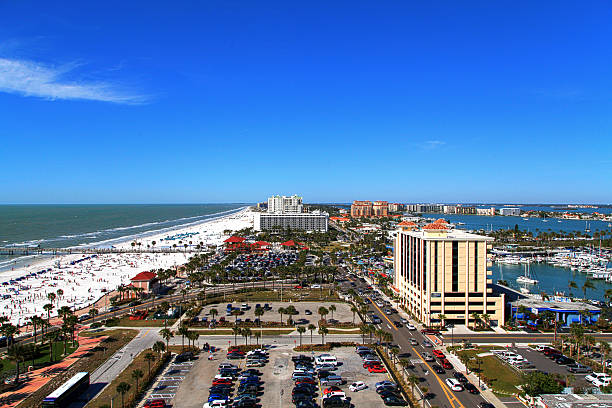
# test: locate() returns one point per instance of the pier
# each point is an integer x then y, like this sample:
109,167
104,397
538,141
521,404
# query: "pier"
16,251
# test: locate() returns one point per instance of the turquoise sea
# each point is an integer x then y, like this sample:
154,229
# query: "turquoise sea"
60,226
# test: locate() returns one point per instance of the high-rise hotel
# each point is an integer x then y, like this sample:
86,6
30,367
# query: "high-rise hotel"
443,271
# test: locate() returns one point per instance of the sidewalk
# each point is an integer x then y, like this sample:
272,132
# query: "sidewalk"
42,376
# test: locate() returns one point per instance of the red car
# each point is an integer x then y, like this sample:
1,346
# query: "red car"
305,381
220,381
331,389
430,331
369,364
156,403
446,364
297,287
377,369
438,354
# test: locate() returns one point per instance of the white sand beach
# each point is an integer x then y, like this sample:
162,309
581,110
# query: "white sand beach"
86,278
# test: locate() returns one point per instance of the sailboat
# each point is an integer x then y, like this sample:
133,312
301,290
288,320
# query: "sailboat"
526,278
586,227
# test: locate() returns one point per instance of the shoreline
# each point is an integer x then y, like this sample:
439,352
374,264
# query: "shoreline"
85,279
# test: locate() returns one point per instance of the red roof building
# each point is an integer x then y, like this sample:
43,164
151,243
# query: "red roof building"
235,243
147,281
234,240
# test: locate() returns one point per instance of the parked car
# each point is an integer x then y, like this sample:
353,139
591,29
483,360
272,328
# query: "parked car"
578,368
395,401
471,388
437,369
358,386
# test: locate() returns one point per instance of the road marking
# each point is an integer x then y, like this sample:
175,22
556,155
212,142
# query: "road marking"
381,312
443,385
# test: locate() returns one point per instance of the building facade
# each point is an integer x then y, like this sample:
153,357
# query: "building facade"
380,209
466,210
425,208
361,209
510,211
285,205
485,211
315,221
396,207
439,271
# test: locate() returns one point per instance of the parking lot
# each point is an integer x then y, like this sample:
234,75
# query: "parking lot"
342,313
539,361
276,379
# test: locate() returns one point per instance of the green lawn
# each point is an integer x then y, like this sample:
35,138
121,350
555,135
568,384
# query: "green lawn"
7,366
225,332
126,322
501,378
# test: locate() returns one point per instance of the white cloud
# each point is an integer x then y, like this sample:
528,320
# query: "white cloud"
431,144
32,79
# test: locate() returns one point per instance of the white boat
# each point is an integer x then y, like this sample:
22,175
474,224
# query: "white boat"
524,290
526,278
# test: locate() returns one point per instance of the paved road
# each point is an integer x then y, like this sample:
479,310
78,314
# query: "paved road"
492,338
442,395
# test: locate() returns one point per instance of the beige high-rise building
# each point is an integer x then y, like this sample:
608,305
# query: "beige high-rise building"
445,271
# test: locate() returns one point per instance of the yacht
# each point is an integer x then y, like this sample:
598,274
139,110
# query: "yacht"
526,278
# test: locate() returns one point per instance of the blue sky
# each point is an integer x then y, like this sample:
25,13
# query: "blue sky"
224,101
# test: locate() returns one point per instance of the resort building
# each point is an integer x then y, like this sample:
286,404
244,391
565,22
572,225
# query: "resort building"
466,210
441,271
361,209
315,221
450,209
396,207
380,209
510,211
285,205
425,208
485,211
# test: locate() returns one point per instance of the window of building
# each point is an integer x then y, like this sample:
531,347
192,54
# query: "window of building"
455,267
475,266
435,266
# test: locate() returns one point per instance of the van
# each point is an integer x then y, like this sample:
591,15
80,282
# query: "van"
332,380
245,306
326,359
299,376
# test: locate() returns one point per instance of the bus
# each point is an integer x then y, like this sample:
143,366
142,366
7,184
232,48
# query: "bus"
67,392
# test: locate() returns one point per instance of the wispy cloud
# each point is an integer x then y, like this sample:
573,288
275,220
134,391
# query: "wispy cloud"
28,78
431,144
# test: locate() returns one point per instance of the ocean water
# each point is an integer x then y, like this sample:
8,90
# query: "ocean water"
551,279
61,226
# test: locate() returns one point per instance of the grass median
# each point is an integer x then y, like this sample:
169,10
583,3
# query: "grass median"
497,375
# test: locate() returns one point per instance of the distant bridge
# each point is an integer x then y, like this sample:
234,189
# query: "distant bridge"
95,250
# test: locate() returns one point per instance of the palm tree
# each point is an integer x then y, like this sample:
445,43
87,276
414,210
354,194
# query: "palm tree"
137,375
442,318
323,312
257,335
281,311
323,331
159,347
34,321
166,335
246,333
214,312
51,296
122,388
236,313
608,295
150,357
17,354
259,312
93,312
604,349
60,293
236,331
183,331
354,310
301,330
572,285
9,331
413,380
332,309
476,318
311,327
588,284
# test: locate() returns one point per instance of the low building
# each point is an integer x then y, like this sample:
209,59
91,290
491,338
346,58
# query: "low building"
485,211
315,221
147,281
510,211
564,310
466,210
450,209
574,401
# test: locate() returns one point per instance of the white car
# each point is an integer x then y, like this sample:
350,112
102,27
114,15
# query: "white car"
358,386
410,326
316,286
598,378
454,384
215,404
404,321
335,394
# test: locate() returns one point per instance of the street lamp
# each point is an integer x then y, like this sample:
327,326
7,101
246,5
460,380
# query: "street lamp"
478,362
